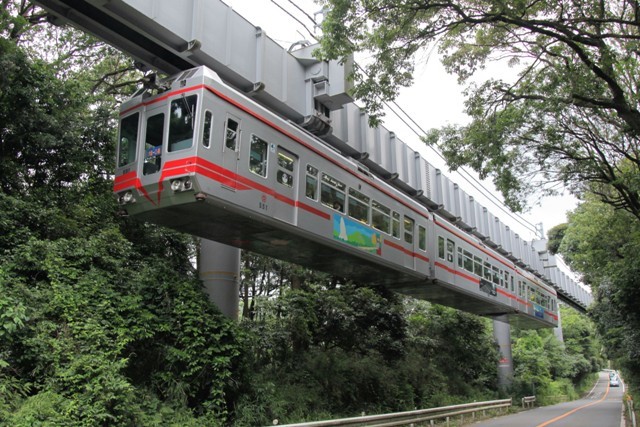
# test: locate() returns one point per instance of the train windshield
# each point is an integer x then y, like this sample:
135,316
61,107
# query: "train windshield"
128,144
181,122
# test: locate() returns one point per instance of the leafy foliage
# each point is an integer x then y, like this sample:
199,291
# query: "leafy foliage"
346,349
555,236
102,320
603,244
570,118
548,368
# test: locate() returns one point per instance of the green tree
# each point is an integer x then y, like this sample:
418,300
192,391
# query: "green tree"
603,244
531,362
571,117
331,348
582,344
102,319
548,368
554,236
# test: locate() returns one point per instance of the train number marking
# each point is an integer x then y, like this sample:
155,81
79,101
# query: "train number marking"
263,203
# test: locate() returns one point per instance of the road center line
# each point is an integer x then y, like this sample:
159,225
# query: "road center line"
558,418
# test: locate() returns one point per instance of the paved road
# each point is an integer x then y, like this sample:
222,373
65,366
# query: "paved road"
602,407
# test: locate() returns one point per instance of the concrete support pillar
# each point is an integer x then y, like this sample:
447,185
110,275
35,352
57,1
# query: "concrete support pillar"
219,270
502,335
558,331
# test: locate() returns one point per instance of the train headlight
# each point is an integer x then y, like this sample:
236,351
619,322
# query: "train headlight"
126,198
181,184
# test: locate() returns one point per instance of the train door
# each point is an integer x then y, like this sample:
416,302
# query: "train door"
445,264
286,186
231,149
421,258
408,235
523,296
154,135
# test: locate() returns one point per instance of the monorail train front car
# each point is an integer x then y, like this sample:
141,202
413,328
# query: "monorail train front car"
197,156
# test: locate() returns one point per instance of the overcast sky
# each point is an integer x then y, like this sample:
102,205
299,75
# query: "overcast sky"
434,100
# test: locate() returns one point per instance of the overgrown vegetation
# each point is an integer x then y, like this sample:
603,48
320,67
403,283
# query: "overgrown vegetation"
345,349
324,352
103,321
555,371
603,244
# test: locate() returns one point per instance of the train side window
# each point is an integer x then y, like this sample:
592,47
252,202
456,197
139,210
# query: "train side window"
380,216
441,247
208,129
477,266
495,276
451,248
468,261
332,193
408,229
311,189
460,257
181,121
521,289
422,238
153,144
128,145
395,225
358,206
286,162
231,134
258,156
487,271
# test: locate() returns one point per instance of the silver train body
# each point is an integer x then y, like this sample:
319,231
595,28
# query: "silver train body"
199,157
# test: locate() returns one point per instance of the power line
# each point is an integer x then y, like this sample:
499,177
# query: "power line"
315,24
496,201
296,19
483,190
467,176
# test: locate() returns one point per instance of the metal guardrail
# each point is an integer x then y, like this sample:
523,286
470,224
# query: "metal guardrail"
528,401
557,398
632,415
411,417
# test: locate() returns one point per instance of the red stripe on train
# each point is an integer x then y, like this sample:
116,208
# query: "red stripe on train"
404,250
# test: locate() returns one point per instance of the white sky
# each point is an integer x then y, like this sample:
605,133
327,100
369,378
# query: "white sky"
434,100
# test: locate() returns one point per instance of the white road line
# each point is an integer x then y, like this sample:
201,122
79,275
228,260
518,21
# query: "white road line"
589,395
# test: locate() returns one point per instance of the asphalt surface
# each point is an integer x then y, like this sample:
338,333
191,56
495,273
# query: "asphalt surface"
602,407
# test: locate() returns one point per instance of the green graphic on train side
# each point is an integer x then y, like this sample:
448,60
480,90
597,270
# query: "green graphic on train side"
356,234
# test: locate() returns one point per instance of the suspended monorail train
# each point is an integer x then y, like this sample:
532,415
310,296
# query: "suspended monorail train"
200,157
